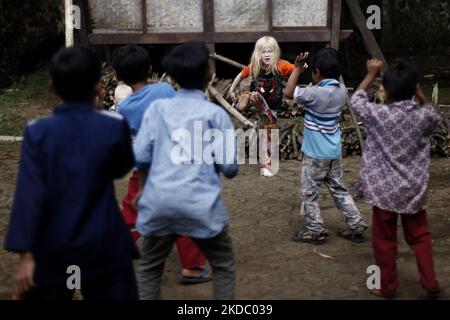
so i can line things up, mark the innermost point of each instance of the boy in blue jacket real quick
(65, 222)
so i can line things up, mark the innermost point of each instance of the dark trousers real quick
(218, 250)
(418, 237)
(121, 286)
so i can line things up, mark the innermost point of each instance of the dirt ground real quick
(264, 212)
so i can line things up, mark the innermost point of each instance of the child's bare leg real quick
(244, 101)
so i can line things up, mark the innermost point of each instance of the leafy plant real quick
(435, 95)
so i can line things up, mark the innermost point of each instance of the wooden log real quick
(360, 20)
(224, 103)
(227, 60)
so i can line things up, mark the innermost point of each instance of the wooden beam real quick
(360, 21)
(68, 20)
(208, 26)
(214, 37)
(212, 62)
(86, 27)
(269, 6)
(227, 60)
(144, 16)
(336, 24)
(208, 16)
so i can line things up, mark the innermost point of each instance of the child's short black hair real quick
(327, 62)
(75, 72)
(400, 82)
(188, 65)
(132, 64)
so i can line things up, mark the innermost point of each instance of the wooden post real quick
(360, 21)
(269, 6)
(86, 27)
(208, 27)
(336, 24)
(144, 16)
(68, 23)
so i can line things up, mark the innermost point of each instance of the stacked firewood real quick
(350, 141)
(440, 140)
(109, 84)
(291, 139)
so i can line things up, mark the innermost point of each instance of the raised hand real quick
(375, 66)
(300, 60)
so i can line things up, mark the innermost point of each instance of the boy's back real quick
(135, 105)
(396, 159)
(175, 128)
(65, 210)
(324, 104)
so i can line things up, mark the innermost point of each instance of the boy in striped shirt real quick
(322, 147)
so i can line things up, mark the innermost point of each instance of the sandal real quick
(352, 235)
(308, 237)
(379, 294)
(203, 277)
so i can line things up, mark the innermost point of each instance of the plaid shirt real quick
(394, 170)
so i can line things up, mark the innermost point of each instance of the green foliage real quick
(17, 18)
(24, 90)
(421, 22)
(435, 95)
(16, 100)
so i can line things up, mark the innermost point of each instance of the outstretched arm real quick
(300, 66)
(233, 87)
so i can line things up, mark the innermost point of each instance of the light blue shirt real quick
(323, 104)
(134, 106)
(182, 191)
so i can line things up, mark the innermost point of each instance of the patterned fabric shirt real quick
(394, 171)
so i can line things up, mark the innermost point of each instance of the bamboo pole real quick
(227, 60)
(68, 23)
(353, 117)
(224, 103)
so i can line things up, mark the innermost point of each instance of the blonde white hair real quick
(257, 61)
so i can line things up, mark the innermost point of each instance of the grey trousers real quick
(314, 173)
(218, 251)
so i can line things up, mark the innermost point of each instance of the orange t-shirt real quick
(284, 67)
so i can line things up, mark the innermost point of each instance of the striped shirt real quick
(323, 104)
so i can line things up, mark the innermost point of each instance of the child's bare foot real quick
(378, 293)
(266, 172)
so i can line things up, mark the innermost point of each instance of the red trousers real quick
(190, 256)
(384, 233)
